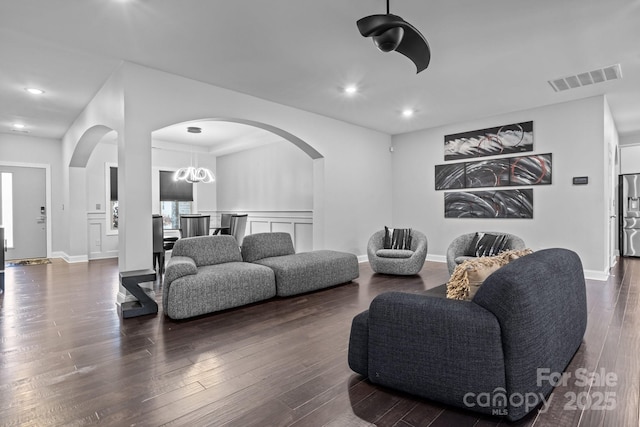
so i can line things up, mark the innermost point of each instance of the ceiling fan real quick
(390, 32)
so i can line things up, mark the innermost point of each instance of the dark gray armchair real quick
(529, 315)
(459, 249)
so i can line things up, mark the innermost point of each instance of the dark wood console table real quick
(131, 280)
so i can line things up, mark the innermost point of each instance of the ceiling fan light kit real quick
(392, 33)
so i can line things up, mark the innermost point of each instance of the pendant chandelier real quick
(194, 174)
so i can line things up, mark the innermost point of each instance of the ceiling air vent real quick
(588, 78)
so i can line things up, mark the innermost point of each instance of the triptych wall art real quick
(508, 139)
(526, 170)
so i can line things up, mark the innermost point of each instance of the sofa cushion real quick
(394, 253)
(265, 245)
(218, 287)
(397, 238)
(308, 271)
(470, 274)
(486, 244)
(208, 250)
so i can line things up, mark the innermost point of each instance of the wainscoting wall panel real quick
(100, 245)
(297, 223)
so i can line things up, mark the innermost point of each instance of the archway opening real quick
(261, 170)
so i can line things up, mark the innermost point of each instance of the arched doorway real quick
(219, 140)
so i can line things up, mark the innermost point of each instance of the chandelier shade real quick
(194, 175)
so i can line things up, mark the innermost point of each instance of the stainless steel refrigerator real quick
(629, 215)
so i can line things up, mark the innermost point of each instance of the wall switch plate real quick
(580, 180)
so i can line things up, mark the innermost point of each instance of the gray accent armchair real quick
(395, 261)
(459, 249)
(526, 321)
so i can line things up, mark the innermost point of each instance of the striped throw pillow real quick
(397, 238)
(485, 244)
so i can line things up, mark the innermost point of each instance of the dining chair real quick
(238, 227)
(194, 225)
(225, 224)
(158, 244)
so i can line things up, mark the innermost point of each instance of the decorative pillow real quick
(397, 238)
(468, 276)
(485, 244)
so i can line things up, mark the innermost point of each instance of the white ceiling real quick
(488, 57)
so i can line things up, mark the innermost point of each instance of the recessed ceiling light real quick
(408, 112)
(19, 127)
(34, 91)
(194, 129)
(351, 89)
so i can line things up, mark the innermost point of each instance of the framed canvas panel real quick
(489, 204)
(487, 173)
(450, 177)
(507, 139)
(530, 170)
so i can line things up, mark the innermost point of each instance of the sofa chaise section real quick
(206, 274)
(302, 272)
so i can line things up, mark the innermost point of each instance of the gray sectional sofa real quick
(298, 272)
(525, 323)
(208, 273)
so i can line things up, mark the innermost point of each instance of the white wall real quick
(273, 177)
(565, 215)
(96, 185)
(630, 153)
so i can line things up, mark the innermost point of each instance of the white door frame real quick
(47, 175)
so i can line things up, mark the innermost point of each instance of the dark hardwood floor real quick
(67, 358)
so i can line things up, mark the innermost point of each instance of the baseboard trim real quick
(436, 258)
(68, 258)
(105, 255)
(601, 276)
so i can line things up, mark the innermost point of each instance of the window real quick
(171, 211)
(176, 199)
(111, 179)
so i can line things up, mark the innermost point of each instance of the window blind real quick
(171, 190)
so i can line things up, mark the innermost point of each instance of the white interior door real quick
(24, 211)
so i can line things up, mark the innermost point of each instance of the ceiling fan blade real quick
(413, 45)
(375, 25)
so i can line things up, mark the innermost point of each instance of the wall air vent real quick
(600, 75)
